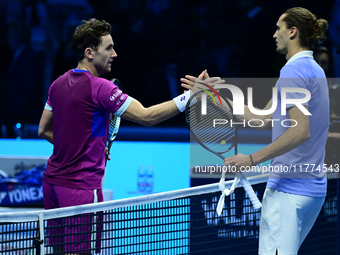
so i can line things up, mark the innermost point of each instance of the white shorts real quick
(286, 219)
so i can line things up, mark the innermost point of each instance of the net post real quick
(39, 240)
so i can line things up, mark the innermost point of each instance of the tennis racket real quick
(209, 120)
(114, 121)
(113, 129)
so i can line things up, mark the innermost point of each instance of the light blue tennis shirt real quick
(301, 171)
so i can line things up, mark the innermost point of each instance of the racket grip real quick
(250, 192)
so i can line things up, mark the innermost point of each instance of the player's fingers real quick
(192, 78)
(186, 86)
(190, 81)
(227, 162)
(214, 80)
(108, 154)
(231, 169)
(211, 82)
(219, 81)
(202, 75)
(206, 75)
(187, 81)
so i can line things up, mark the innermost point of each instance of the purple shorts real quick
(73, 234)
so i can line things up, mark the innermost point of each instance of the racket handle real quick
(250, 192)
(109, 145)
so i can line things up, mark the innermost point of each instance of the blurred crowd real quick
(157, 42)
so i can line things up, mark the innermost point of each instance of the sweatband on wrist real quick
(181, 100)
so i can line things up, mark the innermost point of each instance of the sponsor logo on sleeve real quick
(115, 95)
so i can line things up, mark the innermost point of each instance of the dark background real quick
(157, 42)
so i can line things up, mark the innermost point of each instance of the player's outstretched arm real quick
(150, 116)
(46, 126)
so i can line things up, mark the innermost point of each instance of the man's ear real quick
(89, 53)
(293, 32)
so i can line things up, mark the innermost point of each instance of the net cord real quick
(108, 205)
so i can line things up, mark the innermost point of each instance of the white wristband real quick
(181, 100)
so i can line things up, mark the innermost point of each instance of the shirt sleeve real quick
(292, 77)
(48, 105)
(113, 99)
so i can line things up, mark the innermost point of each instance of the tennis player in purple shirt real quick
(76, 118)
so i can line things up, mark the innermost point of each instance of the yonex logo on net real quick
(238, 100)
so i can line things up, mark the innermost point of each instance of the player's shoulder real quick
(99, 81)
(61, 78)
(292, 71)
(302, 68)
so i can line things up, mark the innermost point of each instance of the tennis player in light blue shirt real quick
(296, 189)
(305, 172)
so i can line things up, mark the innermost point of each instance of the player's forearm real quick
(48, 136)
(333, 136)
(150, 116)
(160, 112)
(291, 139)
(46, 126)
(46, 133)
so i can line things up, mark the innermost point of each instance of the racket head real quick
(116, 82)
(212, 130)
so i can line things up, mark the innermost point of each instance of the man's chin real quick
(107, 70)
(281, 51)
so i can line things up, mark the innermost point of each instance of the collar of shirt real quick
(79, 70)
(301, 54)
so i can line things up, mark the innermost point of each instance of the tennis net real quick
(177, 222)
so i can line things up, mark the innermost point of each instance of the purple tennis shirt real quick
(81, 104)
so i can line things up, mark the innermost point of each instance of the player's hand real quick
(204, 75)
(333, 137)
(107, 153)
(194, 83)
(238, 161)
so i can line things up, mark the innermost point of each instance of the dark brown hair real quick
(310, 28)
(88, 35)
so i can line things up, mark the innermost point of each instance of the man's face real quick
(281, 36)
(103, 57)
(323, 60)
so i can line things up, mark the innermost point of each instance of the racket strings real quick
(210, 119)
(219, 138)
(113, 126)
